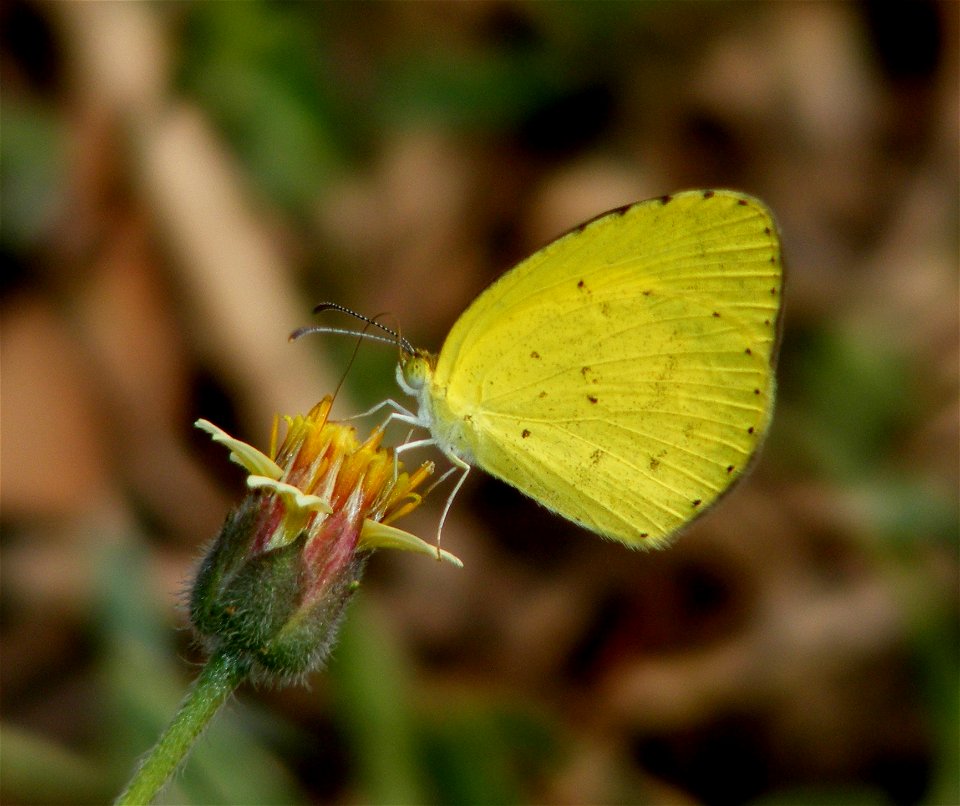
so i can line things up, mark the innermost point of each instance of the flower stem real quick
(221, 675)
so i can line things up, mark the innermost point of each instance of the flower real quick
(274, 584)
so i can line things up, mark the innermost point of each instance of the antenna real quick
(396, 339)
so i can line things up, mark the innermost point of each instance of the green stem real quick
(221, 675)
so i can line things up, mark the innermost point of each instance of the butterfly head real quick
(416, 375)
(415, 371)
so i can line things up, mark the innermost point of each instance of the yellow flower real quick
(274, 584)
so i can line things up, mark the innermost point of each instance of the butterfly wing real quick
(623, 376)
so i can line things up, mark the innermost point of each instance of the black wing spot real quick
(750, 430)
(696, 502)
(592, 398)
(708, 194)
(742, 202)
(666, 199)
(534, 354)
(525, 433)
(646, 293)
(542, 395)
(716, 315)
(748, 351)
(581, 284)
(756, 391)
(729, 468)
(644, 534)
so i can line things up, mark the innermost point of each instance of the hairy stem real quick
(221, 675)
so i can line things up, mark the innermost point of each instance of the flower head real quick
(274, 585)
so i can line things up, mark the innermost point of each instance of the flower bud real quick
(273, 587)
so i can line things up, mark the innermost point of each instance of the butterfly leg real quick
(399, 412)
(417, 443)
(406, 446)
(459, 463)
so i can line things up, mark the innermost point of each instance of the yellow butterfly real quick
(623, 375)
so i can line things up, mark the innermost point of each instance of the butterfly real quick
(623, 376)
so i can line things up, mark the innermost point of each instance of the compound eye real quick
(416, 371)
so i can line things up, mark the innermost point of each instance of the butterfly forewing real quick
(623, 375)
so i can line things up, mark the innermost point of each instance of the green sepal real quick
(240, 597)
(224, 558)
(306, 639)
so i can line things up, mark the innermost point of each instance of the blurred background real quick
(182, 183)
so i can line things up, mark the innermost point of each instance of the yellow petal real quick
(294, 499)
(248, 457)
(374, 535)
(298, 506)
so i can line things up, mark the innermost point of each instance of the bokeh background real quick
(181, 183)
